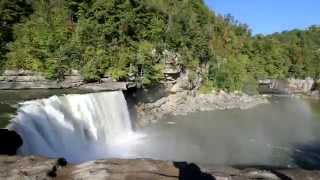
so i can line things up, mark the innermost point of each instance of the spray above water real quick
(76, 127)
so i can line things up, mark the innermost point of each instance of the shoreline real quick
(185, 102)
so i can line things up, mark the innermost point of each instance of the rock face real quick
(184, 82)
(186, 102)
(37, 168)
(10, 141)
(301, 85)
(289, 86)
(172, 68)
(22, 79)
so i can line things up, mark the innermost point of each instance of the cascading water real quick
(76, 127)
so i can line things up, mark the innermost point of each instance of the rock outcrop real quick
(185, 102)
(23, 79)
(289, 86)
(300, 85)
(38, 168)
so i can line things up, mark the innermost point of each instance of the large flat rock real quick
(5, 85)
(106, 86)
(36, 168)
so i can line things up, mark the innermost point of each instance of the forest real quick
(125, 38)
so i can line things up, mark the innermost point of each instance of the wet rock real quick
(10, 141)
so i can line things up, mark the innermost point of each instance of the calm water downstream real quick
(283, 133)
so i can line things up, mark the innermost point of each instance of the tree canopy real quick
(125, 38)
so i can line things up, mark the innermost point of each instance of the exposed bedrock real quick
(184, 102)
(36, 168)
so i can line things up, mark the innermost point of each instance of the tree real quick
(11, 12)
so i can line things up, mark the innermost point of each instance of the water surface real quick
(284, 133)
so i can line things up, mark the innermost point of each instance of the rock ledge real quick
(38, 168)
(182, 103)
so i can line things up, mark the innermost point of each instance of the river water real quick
(284, 133)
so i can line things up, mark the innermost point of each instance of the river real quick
(284, 133)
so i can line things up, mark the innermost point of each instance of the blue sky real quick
(268, 16)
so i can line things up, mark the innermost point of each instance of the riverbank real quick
(185, 102)
(32, 168)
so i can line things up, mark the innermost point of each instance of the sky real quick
(269, 16)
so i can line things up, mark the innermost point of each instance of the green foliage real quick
(40, 41)
(122, 39)
(11, 12)
(207, 87)
(229, 74)
(290, 54)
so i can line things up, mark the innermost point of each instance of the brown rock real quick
(38, 168)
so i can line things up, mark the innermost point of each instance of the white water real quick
(76, 127)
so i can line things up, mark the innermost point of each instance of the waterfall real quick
(76, 127)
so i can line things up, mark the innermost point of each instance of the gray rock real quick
(22, 78)
(29, 85)
(184, 102)
(38, 168)
(20, 72)
(106, 86)
(301, 85)
(289, 86)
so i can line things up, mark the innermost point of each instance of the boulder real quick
(10, 141)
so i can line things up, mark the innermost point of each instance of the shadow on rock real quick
(307, 156)
(10, 141)
(191, 172)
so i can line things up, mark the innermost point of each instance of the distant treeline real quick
(122, 38)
